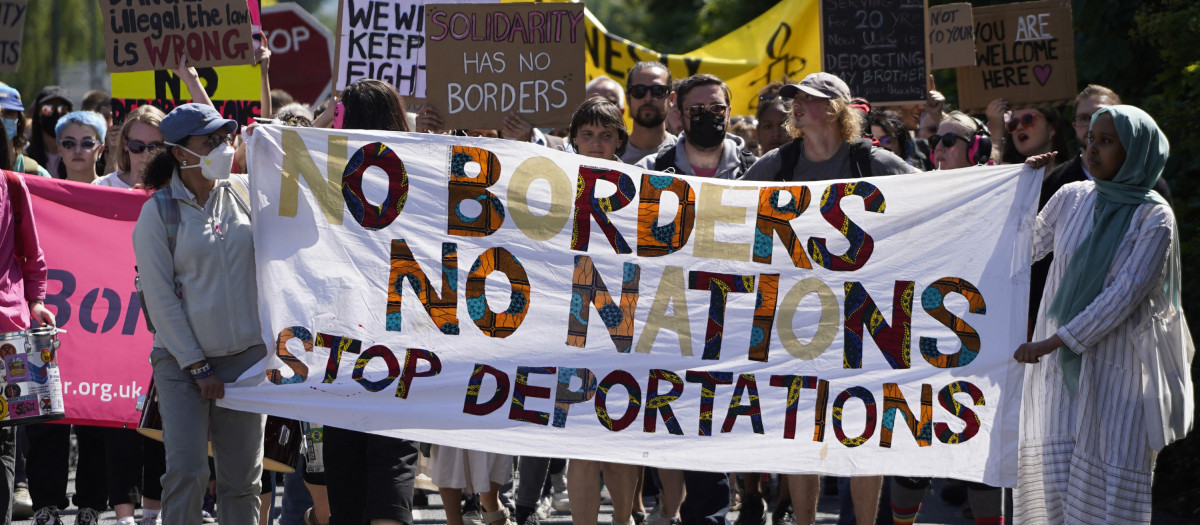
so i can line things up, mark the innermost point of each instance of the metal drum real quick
(281, 437)
(32, 385)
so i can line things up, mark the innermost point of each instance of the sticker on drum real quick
(47, 356)
(7, 349)
(3, 408)
(46, 406)
(24, 406)
(11, 391)
(17, 367)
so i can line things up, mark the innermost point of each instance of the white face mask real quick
(217, 165)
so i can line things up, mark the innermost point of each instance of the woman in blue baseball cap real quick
(195, 259)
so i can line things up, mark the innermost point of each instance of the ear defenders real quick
(980, 151)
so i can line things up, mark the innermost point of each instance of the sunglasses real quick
(215, 140)
(887, 140)
(85, 144)
(61, 109)
(699, 109)
(640, 90)
(948, 140)
(138, 147)
(1025, 121)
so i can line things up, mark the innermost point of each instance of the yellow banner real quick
(783, 41)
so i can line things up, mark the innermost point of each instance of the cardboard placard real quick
(384, 40)
(12, 27)
(145, 37)
(951, 36)
(486, 60)
(234, 90)
(877, 47)
(1026, 55)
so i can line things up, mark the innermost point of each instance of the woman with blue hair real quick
(1115, 388)
(80, 136)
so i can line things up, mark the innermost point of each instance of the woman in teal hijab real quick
(1118, 389)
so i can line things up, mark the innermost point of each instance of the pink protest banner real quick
(85, 232)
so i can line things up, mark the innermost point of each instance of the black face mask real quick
(708, 130)
(49, 121)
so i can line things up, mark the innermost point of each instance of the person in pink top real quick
(22, 291)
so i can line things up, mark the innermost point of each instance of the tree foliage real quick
(57, 32)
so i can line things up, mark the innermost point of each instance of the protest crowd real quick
(1106, 265)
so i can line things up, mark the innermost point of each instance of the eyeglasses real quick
(85, 144)
(1083, 119)
(61, 109)
(948, 140)
(137, 147)
(699, 109)
(1025, 121)
(640, 90)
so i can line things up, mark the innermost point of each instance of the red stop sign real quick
(301, 52)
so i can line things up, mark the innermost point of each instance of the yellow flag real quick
(784, 41)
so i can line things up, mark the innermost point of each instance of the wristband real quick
(203, 371)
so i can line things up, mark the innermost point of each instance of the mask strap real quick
(185, 165)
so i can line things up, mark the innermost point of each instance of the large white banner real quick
(505, 297)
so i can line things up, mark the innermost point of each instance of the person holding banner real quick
(960, 142)
(1115, 387)
(370, 478)
(826, 145)
(195, 258)
(598, 131)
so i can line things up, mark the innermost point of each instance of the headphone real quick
(980, 151)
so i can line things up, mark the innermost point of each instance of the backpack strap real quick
(168, 209)
(746, 159)
(789, 155)
(860, 158)
(665, 160)
(17, 197)
(240, 193)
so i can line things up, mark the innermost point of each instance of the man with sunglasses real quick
(647, 92)
(704, 148)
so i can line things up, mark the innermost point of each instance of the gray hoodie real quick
(215, 311)
(729, 167)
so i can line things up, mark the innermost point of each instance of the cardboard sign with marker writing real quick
(12, 25)
(951, 36)
(877, 47)
(157, 36)
(487, 60)
(1026, 55)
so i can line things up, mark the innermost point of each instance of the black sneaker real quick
(526, 515)
(754, 511)
(783, 515)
